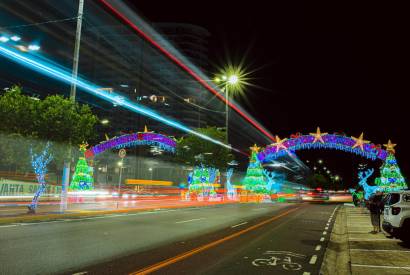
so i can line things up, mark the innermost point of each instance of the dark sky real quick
(341, 67)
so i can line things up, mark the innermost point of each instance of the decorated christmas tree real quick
(390, 175)
(254, 180)
(202, 181)
(83, 174)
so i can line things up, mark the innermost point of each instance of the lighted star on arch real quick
(318, 136)
(360, 142)
(279, 143)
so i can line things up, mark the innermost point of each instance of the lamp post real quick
(227, 82)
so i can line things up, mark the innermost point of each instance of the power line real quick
(39, 23)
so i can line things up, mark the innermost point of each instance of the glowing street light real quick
(33, 47)
(4, 39)
(15, 38)
(337, 178)
(105, 121)
(231, 80)
(320, 161)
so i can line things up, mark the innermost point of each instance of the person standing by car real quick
(376, 208)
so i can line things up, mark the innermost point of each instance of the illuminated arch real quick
(319, 140)
(137, 139)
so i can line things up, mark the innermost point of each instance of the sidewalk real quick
(354, 250)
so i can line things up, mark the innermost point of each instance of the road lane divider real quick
(199, 249)
(239, 224)
(192, 220)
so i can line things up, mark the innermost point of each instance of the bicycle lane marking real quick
(286, 260)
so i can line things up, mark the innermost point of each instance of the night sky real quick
(341, 67)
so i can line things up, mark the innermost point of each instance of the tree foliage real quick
(194, 150)
(53, 119)
(27, 122)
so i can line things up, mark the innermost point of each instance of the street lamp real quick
(105, 121)
(230, 81)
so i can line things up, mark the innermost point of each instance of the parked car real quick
(397, 215)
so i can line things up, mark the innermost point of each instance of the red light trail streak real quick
(186, 68)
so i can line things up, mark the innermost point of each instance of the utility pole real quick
(227, 112)
(67, 163)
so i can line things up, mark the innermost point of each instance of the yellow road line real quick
(194, 251)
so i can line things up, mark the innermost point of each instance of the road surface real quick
(290, 236)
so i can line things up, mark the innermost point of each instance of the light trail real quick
(187, 69)
(47, 68)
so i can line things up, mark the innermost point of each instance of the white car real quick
(397, 215)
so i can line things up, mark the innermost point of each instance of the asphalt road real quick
(120, 244)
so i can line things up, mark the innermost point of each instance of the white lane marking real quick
(313, 259)
(324, 232)
(239, 224)
(322, 239)
(9, 225)
(327, 227)
(258, 209)
(192, 220)
(90, 218)
(373, 240)
(318, 247)
(379, 250)
(382, 266)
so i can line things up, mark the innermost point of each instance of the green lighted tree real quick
(83, 174)
(390, 175)
(254, 180)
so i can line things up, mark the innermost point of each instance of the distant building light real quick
(33, 47)
(4, 39)
(15, 38)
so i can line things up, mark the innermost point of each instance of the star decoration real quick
(390, 147)
(318, 136)
(279, 144)
(360, 141)
(83, 146)
(255, 148)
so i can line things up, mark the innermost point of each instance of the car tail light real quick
(395, 210)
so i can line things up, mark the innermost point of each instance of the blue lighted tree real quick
(39, 164)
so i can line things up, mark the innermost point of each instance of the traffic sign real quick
(122, 153)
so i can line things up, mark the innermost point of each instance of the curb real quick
(337, 256)
(49, 217)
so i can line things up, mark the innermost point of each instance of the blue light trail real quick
(47, 68)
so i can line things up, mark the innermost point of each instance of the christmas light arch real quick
(130, 140)
(319, 140)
